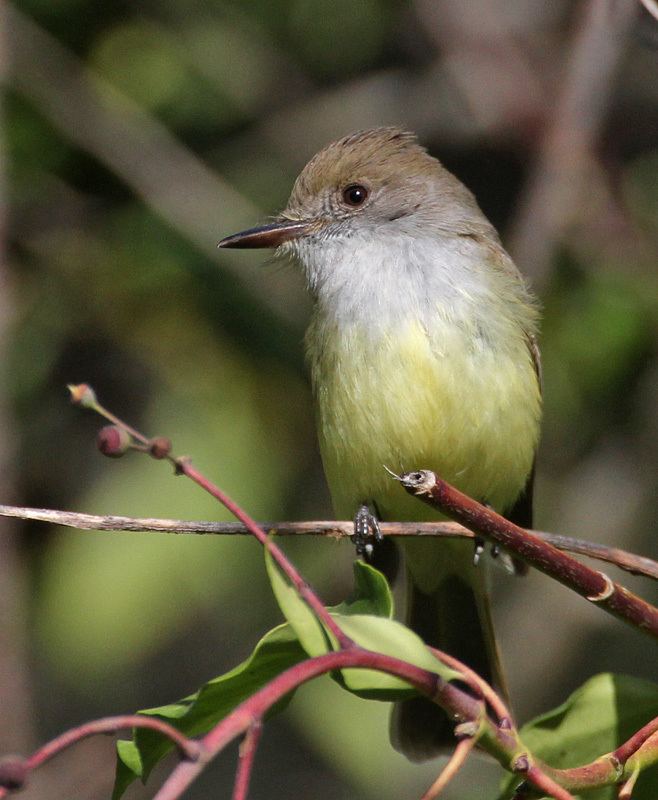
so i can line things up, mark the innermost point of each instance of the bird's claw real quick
(478, 550)
(366, 532)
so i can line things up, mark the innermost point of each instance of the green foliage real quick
(275, 652)
(195, 715)
(598, 717)
(367, 619)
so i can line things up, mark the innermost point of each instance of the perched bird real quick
(422, 350)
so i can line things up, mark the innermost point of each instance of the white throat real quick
(377, 280)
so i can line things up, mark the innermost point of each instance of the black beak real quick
(271, 235)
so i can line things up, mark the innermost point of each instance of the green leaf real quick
(371, 595)
(392, 638)
(596, 718)
(366, 618)
(129, 766)
(195, 715)
(302, 620)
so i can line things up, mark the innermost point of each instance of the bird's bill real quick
(271, 235)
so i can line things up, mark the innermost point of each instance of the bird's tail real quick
(453, 615)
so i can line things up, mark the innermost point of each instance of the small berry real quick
(13, 773)
(113, 441)
(160, 447)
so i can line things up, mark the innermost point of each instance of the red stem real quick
(246, 760)
(306, 593)
(630, 746)
(477, 683)
(189, 748)
(547, 785)
(253, 709)
(591, 584)
(456, 762)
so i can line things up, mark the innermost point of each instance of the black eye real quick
(355, 195)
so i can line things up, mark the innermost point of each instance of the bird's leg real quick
(366, 532)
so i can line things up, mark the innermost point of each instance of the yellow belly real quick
(411, 400)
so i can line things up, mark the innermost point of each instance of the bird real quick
(423, 353)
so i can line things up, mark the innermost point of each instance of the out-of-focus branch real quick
(566, 159)
(118, 132)
(494, 75)
(651, 6)
(638, 565)
(15, 699)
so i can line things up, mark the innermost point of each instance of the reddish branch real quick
(246, 757)
(455, 763)
(14, 770)
(591, 584)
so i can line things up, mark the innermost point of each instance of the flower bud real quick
(113, 441)
(13, 773)
(160, 447)
(82, 395)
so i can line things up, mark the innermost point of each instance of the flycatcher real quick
(423, 354)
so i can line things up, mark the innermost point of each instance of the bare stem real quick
(479, 685)
(591, 584)
(189, 748)
(456, 762)
(246, 760)
(184, 466)
(638, 565)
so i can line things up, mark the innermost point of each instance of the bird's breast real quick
(422, 393)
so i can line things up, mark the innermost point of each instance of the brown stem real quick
(638, 565)
(594, 586)
(630, 746)
(546, 784)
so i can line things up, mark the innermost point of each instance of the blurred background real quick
(133, 137)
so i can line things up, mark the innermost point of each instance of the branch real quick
(635, 564)
(14, 771)
(500, 738)
(135, 146)
(246, 757)
(502, 743)
(565, 160)
(594, 586)
(455, 763)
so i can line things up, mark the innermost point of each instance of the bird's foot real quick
(366, 532)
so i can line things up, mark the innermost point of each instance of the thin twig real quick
(305, 592)
(248, 748)
(638, 565)
(190, 749)
(83, 395)
(632, 745)
(456, 762)
(547, 785)
(255, 707)
(479, 685)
